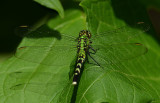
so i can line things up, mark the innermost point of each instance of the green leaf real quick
(52, 4)
(47, 80)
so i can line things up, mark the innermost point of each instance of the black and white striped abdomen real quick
(80, 62)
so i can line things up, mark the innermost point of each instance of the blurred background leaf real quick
(53, 4)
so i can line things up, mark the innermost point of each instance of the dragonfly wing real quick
(40, 88)
(121, 34)
(44, 32)
(55, 56)
(43, 83)
(116, 53)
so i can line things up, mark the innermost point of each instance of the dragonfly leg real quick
(94, 50)
(94, 59)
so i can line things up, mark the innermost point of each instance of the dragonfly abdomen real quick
(80, 62)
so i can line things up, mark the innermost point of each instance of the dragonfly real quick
(101, 50)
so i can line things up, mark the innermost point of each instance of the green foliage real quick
(47, 80)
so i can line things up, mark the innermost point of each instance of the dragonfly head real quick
(85, 33)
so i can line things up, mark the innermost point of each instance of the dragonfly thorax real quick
(85, 33)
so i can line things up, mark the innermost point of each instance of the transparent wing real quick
(105, 54)
(116, 53)
(114, 35)
(65, 54)
(40, 88)
(121, 34)
(43, 83)
(44, 32)
(55, 56)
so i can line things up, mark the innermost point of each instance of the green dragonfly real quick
(102, 49)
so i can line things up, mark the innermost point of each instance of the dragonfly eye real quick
(81, 33)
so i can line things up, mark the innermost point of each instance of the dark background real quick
(15, 13)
